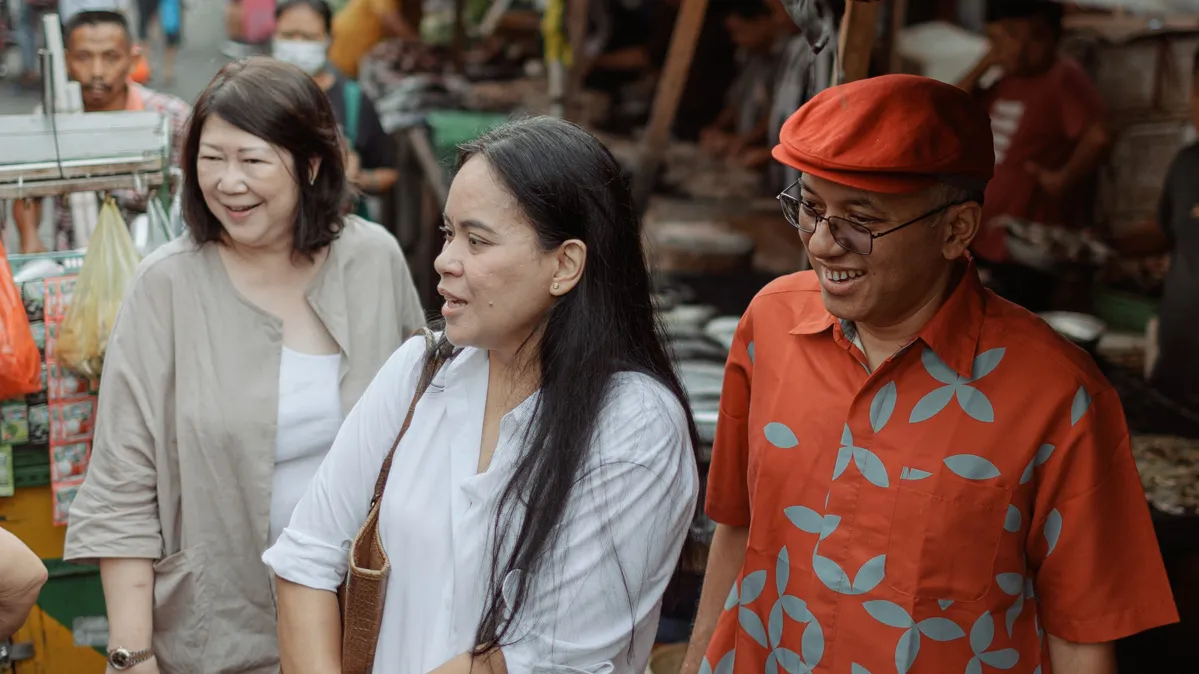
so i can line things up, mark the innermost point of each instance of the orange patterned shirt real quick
(937, 515)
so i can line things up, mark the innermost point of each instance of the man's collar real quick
(952, 333)
(133, 97)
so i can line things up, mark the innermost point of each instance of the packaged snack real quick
(64, 496)
(72, 421)
(68, 461)
(14, 422)
(8, 481)
(39, 424)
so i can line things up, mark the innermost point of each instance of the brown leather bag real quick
(361, 594)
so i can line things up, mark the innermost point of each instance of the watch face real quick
(119, 658)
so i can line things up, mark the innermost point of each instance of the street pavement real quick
(199, 59)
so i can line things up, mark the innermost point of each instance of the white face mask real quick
(307, 56)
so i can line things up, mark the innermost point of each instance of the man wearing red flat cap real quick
(911, 474)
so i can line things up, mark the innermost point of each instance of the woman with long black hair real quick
(536, 506)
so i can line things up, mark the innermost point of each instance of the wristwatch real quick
(121, 659)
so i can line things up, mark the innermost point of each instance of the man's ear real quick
(961, 225)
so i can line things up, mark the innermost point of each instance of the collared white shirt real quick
(594, 606)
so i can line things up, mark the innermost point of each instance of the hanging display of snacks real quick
(57, 420)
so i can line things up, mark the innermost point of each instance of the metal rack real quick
(59, 150)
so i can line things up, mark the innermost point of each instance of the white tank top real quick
(309, 416)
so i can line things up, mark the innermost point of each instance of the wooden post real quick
(899, 18)
(859, 27)
(459, 47)
(577, 12)
(683, 39)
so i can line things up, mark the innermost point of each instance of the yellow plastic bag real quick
(108, 269)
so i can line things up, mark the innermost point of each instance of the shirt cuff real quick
(304, 560)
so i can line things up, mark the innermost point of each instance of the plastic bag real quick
(108, 268)
(151, 229)
(20, 361)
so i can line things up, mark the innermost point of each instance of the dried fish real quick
(1169, 468)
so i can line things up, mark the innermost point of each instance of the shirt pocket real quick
(944, 539)
(180, 612)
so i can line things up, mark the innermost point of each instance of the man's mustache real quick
(98, 85)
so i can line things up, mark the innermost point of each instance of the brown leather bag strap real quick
(432, 364)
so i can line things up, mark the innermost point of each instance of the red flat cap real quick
(893, 134)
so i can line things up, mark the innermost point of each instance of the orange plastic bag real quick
(20, 362)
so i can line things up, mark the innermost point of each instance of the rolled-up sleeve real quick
(728, 498)
(115, 513)
(620, 541)
(312, 550)
(1099, 573)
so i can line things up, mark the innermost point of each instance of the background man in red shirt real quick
(1050, 134)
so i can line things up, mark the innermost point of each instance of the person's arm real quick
(1083, 162)
(309, 629)
(376, 151)
(129, 600)
(490, 663)
(114, 518)
(715, 138)
(971, 82)
(1070, 658)
(746, 148)
(1083, 120)
(726, 555)
(22, 576)
(1092, 555)
(728, 500)
(310, 558)
(1144, 238)
(27, 214)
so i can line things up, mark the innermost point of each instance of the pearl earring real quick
(555, 286)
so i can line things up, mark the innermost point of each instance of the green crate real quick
(1124, 311)
(451, 128)
(71, 260)
(31, 465)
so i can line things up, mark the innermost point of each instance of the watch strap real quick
(131, 658)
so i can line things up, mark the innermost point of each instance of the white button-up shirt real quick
(595, 603)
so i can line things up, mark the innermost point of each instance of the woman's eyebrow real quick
(478, 226)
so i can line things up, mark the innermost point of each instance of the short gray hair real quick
(943, 194)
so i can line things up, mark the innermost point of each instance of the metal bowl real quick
(1084, 330)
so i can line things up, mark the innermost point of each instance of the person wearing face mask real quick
(238, 352)
(302, 34)
(99, 56)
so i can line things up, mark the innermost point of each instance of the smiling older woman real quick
(535, 508)
(235, 358)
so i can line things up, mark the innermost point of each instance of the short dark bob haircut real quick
(278, 103)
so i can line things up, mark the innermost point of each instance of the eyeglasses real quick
(851, 236)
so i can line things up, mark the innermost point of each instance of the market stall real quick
(46, 430)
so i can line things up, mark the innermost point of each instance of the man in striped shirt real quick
(99, 53)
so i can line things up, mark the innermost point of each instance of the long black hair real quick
(568, 186)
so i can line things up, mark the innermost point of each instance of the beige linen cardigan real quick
(184, 448)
